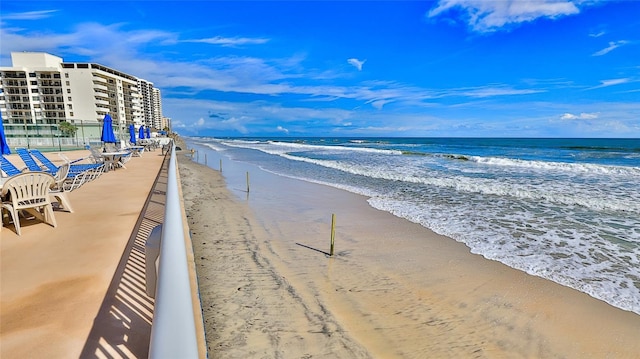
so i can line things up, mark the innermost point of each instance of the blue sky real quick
(518, 68)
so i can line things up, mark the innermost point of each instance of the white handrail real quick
(173, 331)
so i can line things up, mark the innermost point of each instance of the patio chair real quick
(110, 147)
(28, 192)
(58, 191)
(96, 156)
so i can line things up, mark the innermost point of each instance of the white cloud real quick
(488, 16)
(611, 82)
(491, 91)
(231, 41)
(612, 46)
(282, 129)
(357, 63)
(379, 103)
(582, 116)
(29, 15)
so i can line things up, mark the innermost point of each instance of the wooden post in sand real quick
(333, 233)
(247, 182)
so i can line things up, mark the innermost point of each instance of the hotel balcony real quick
(104, 106)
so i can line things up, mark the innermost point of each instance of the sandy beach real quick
(393, 289)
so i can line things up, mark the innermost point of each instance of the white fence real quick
(174, 331)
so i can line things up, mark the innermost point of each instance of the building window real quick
(68, 90)
(67, 83)
(71, 114)
(32, 74)
(70, 106)
(34, 90)
(35, 83)
(66, 75)
(69, 98)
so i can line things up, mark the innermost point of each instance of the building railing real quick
(173, 331)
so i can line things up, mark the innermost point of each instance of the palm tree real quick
(68, 129)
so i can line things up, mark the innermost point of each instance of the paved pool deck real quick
(78, 290)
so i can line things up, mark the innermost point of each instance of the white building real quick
(39, 91)
(157, 109)
(151, 104)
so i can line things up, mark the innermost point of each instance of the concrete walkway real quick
(78, 290)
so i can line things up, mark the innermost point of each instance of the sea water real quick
(563, 209)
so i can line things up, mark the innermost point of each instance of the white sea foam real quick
(278, 148)
(558, 166)
(574, 223)
(551, 192)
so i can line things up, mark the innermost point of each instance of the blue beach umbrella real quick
(132, 133)
(141, 133)
(107, 130)
(148, 132)
(4, 147)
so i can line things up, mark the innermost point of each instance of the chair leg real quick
(49, 217)
(15, 217)
(16, 221)
(63, 200)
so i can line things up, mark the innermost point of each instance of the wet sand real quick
(393, 289)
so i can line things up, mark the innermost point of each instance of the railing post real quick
(151, 254)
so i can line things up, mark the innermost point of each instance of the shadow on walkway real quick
(122, 328)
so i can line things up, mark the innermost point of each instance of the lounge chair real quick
(28, 192)
(8, 168)
(31, 163)
(78, 173)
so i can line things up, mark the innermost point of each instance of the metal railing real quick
(173, 331)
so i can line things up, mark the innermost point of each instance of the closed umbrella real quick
(148, 132)
(107, 130)
(4, 147)
(141, 133)
(132, 133)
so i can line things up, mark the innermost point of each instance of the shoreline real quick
(394, 289)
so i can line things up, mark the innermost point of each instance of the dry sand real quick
(393, 290)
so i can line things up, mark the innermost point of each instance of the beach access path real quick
(78, 290)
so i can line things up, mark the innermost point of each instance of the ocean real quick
(567, 210)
